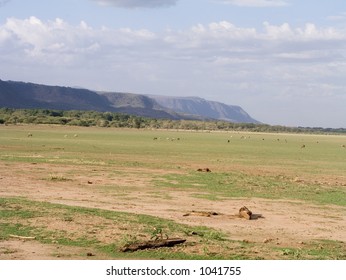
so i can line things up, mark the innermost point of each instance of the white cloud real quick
(225, 40)
(137, 3)
(256, 3)
(309, 32)
(58, 41)
(218, 41)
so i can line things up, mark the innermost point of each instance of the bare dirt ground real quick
(288, 223)
(33, 250)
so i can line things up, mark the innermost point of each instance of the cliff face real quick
(208, 109)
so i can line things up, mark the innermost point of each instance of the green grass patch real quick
(136, 148)
(236, 184)
(141, 227)
(316, 250)
(15, 229)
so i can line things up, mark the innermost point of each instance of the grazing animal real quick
(343, 146)
(302, 147)
(203, 170)
(29, 135)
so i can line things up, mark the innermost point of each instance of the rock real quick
(267, 240)
(245, 213)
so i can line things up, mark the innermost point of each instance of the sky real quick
(282, 61)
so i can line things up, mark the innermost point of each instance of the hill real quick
(20, 95)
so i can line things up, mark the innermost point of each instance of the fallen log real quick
(22, 237)
(201, 213)
(152, 244)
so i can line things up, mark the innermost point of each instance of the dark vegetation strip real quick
(108, 119)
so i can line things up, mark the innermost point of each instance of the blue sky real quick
(283, 61)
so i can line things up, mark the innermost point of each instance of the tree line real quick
(111, 119)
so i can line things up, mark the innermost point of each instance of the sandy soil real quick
(33, 250)
(284, 222)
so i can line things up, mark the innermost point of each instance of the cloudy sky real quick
(283, 61)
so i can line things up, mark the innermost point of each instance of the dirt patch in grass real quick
(283, 223)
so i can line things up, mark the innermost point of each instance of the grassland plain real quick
(85, 192)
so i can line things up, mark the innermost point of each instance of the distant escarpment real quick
(208, 109)
(20, 95)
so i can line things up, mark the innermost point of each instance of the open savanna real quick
(86, 192)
